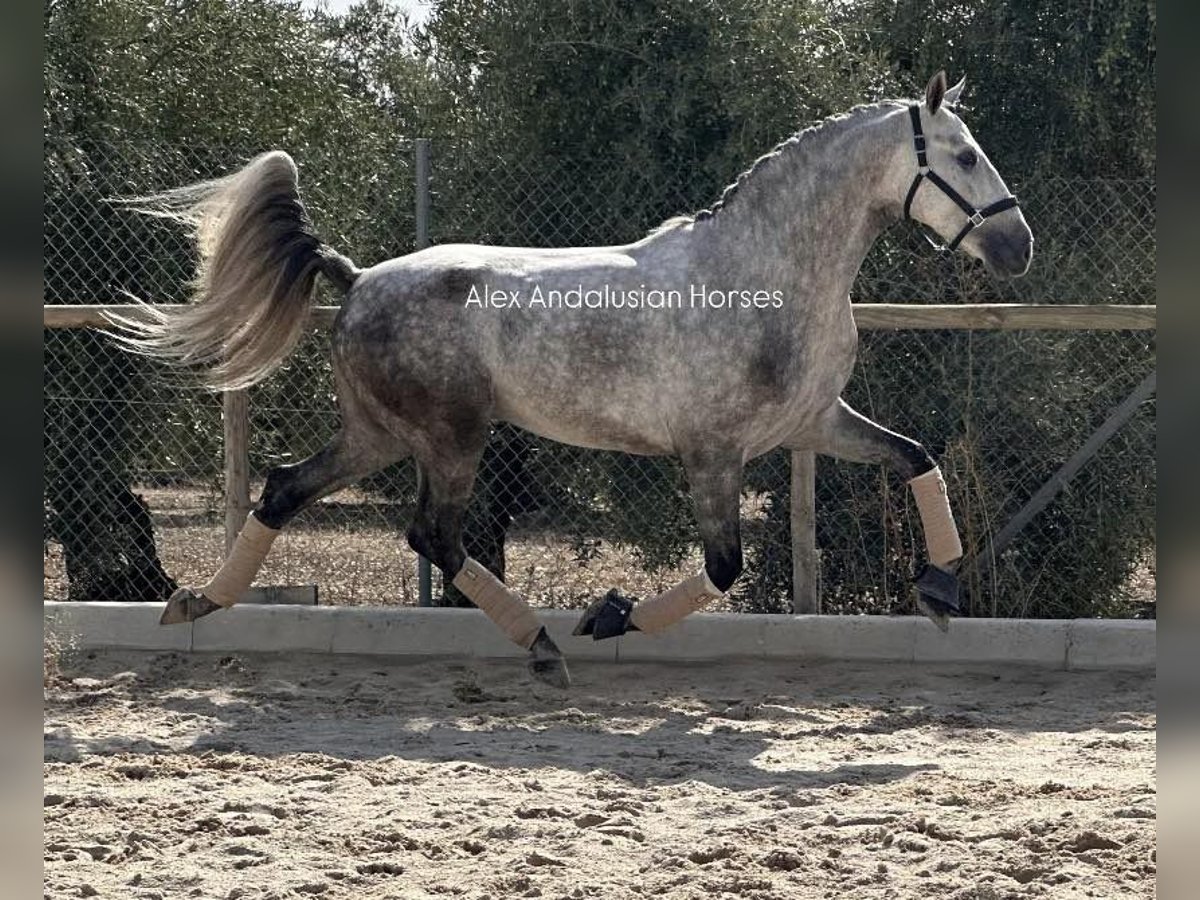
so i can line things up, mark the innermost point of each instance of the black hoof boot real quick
(546, 662)
(606, 617)
(937, 595)
(186, 605)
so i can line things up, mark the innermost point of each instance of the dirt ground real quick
(253, 776)
(173, 775)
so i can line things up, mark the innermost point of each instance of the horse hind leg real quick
(437, 534)
(289, 490)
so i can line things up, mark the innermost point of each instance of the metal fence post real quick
(235, 416)
(421, 209)
(805, 595)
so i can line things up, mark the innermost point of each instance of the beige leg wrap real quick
(244, 560)
(502, 606)
(941, 534)
(671, 605)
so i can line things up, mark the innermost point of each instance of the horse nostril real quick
(1027, 255)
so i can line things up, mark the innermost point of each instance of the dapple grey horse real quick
(715, 338)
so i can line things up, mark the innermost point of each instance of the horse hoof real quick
(936, 615)
(546, 662)
(186, 605)
(937, 595)
(606, 617)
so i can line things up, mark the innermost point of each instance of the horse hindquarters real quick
(412, 359)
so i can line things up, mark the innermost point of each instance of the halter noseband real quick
(975, 217)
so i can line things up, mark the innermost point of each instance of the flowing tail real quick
(259, 259)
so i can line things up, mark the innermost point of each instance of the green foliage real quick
(1059, 86)
(206, 72)
(685, 94)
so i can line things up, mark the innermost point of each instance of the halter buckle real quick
(976, 219)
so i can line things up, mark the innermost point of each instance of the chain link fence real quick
(134, 498)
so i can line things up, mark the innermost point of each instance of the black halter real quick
(975, 217)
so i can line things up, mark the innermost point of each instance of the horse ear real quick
(935, 91)
(953, 95)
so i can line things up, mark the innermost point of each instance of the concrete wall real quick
(1071, 644)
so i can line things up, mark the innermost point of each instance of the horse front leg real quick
(715, 480)
(846, 434)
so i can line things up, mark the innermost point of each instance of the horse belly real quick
(590, 416)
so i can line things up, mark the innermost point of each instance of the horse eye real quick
(967, 158)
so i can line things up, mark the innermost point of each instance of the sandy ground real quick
(266, 777)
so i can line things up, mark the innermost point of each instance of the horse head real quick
(956, 191)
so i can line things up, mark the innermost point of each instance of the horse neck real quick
(805, 222)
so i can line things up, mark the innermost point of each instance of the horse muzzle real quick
(1007, 253)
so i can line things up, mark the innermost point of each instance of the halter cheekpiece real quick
(975, 217)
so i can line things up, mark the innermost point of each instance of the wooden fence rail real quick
(873, 316)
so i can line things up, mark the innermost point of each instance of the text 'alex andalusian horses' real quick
(715, 338)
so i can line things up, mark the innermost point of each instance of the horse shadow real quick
(770, 730)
